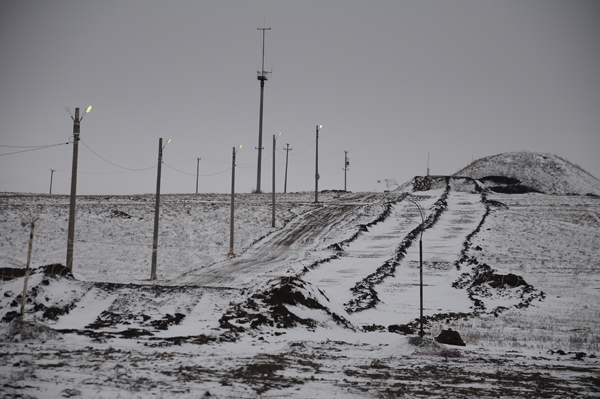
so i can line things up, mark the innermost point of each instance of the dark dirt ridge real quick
(284, 291)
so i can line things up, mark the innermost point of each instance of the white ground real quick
(552, 242)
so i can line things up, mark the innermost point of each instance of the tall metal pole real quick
(51, 176)
(260, 147)
(71, 232)
(197, 171)
(262, 77)
(273, 194)
(156, 213)
(287, 152)
(317, 168)
(232, 204)
(421, 333)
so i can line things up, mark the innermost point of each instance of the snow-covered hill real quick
(316, 307)
(531, 171)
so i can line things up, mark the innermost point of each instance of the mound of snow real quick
(544, 173)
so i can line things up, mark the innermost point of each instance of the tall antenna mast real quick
(262, 77)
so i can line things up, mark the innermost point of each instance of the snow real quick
(190, 333)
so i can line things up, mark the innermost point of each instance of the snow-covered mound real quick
(530, 171)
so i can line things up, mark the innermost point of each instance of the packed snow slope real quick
(531, 171)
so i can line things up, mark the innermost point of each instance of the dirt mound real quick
(19, 331)
(533, 172)
(427, 183)
(283, 303)
(486, 288)
(506, 185)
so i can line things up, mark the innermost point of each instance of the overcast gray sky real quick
(391, 82)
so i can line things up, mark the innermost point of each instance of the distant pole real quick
(427, 164)
(231, 229)
(51, 176)
(262, 77)
(156, 211)
(197, 171)
(287, 151)
(346, 164)
(317, 166)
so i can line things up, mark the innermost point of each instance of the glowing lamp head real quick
(88, 109)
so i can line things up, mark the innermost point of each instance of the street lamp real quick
(156, 210)
(232, 201)
(274, 143)
(71, 232)
(317, 166)
(421, 333)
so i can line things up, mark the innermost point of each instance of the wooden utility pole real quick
(71, 232)
(51, 176)
(287, 151)
(231, 218)
(157, 211)
(273, 194)
(197, 171)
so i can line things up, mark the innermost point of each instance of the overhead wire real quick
(194, 174)
(113, 164)
(32, 148)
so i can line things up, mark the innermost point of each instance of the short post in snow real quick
(23, 297)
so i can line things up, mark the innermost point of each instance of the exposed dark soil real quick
(285, 291)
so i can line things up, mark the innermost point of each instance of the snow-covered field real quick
(305, 309)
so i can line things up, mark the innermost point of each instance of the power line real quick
(113, 164)
(30, 148)
(193, 174)
(35, 174)
(306, 149)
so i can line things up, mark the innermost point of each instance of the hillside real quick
(324, 305)
(532, 172)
